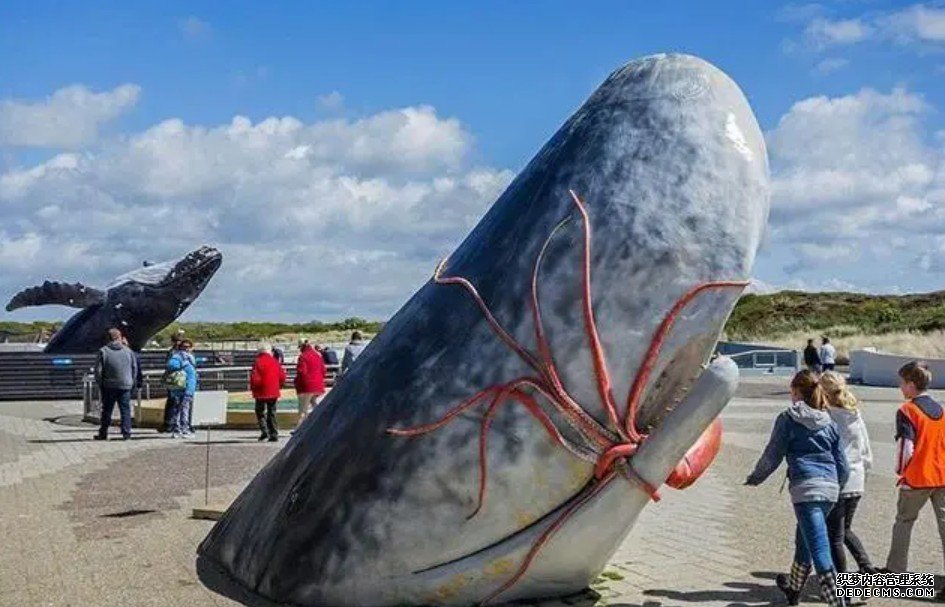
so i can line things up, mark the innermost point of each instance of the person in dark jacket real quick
(808, 438)
(266, 381)
(139, 375)
(812, 357)
(309, 379)
(115, 371)
(329, 356)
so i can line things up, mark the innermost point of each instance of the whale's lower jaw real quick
(567, 564)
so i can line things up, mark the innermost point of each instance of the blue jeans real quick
(810, 539)
(111, 397)
(180, 415)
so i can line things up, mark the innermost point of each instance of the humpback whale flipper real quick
(75, 295)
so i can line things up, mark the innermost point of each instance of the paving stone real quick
(77, 527)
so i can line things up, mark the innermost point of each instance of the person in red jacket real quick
(309, 378)
(266, 381)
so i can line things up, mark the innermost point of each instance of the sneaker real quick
(99, 437)
(175, 435)
(189, 435)
(262, 437)
(273, 439)
(125, 437)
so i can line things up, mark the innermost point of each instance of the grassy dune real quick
(901, 324)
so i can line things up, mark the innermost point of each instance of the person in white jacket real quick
(845, 413)
(828, 354)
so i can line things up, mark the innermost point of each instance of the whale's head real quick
(151, 297)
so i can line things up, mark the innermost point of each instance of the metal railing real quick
(210, 378)
(766, 359)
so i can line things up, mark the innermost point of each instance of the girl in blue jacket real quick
(808, 438)
(183, 398)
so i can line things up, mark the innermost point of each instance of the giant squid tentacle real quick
(597, 351)
(589, 492)
(504, 335)
(565, 402)
(532, 406)
(656, 344)
(585, 424)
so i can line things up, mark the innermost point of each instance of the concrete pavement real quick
(92, 523)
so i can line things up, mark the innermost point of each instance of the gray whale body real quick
(572, 328)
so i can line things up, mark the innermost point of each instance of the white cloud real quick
(831, 65)
(856, 184)
(70, 117)
(915, 24)
(824, 33)
(321, 219)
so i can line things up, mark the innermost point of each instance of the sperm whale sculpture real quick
(500, 436)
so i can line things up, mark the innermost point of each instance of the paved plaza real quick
(108, 524)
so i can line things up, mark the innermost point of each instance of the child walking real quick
(844, 411)
(920, 462)
(805, 435)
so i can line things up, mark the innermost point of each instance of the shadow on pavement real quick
(53, 441)
(734, 594)
(75, 420)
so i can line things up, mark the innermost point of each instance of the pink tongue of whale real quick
(699, 457)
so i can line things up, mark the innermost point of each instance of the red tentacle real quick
(539, 543)
(656, 344)
(452, 413)
(533, 407)
(563, 400)
(510, 341)
(597, 351)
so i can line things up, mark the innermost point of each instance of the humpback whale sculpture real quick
(140, 303)
(499, 438)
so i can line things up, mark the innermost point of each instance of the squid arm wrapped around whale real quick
(588, 300)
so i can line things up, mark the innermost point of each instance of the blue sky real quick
(849, 93)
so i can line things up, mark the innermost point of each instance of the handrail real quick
(747, 352)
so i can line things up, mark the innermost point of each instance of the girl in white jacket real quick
(856, 444)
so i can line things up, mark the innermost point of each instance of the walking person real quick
(115, 373)
(352, 351)
(844, 410)
(812, 357)
(309, 379)
(920, 462)
(805, 435)
(266, 381)
(828, 354)
(182, 396)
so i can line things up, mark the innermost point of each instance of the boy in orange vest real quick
(920, 462)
